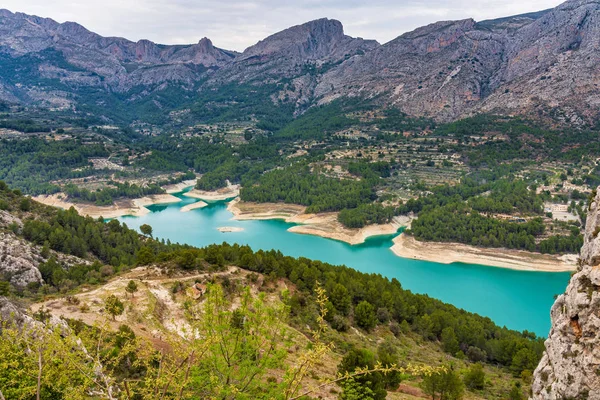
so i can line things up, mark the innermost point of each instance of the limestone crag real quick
(9, 311)
(19, 259)
(570, 367)
(103, 63)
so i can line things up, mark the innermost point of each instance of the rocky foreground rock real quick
(20, 260)
(570, 367)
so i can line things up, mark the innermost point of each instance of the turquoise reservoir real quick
(515, 299)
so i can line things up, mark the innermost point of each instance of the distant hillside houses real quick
(560, 212)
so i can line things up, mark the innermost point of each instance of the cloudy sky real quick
(237, 24)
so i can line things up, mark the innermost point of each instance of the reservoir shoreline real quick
(323, 224)
(447, 253)
(120, 208)
(521, 299)
(326, 225)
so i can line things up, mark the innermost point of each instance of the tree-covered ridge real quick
(508, 197)
(457, 223)
(497, 197)
(499, 139)
(242, 102)
(458, 215)
(300, 185)
(363, 300)
(367, 214)
(396, 120)
(320, 121)
(22, 125)
(31, 165)
(214, 158)
(69, 233)
(242, 348)
(107, 195)
(369, 169)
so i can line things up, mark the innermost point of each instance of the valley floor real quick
(447, 253)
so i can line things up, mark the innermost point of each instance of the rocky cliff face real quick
(570, 367)
(78, 58)
(74, 56)
(551, 63)
(301, 52)
(22, 33)
(439, 70)
(512, 65)
(322, 40)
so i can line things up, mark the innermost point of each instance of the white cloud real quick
(237, 24)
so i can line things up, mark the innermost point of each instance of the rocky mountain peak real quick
(205, 43)
(325, 29)
(439, 27)
(573, 4)
(529, 63)
(313, 40)
(293, 53)
(75, 31)
(146, 51)
(570, 367)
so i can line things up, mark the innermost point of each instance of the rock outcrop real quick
(321, 39)
(570, 367)
(440, 70)
(300, 53)
(22, 34)
(19, 259)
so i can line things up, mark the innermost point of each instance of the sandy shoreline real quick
(193, 206)
(134, 207)
(228, 192)
(446, 253)
(179, 187)
(327, 225)
(324, 224)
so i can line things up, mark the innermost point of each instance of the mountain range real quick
(539, 63)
